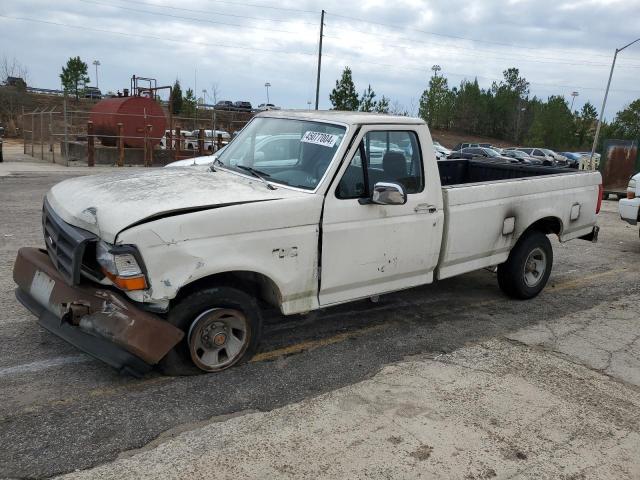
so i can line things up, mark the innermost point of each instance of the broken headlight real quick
(121, 265)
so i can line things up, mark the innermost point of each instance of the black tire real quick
(179, 361)
(512, 275)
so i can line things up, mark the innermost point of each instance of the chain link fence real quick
(67, 135)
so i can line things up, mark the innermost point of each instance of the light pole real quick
(309, 105)
(267, 85)
(574, 95)
(604, 101)
(97, 64)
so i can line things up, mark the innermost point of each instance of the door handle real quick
(425, 208)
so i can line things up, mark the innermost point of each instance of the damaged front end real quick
(96, 320)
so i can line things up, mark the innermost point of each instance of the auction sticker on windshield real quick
(318, 138)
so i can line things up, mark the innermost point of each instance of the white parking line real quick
(34, 367)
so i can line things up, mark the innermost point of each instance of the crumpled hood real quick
(106, 204)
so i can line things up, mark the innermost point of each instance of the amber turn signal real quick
(137, 282)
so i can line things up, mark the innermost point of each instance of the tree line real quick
(504, 111)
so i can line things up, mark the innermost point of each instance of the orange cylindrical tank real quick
(134, 113)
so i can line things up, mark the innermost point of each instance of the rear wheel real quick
(222, 327)
(527, 270)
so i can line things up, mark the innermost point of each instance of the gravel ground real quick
(61, 411)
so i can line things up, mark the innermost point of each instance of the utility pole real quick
(319, 59)
(604, 102)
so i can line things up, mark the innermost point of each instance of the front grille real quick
(65, 244)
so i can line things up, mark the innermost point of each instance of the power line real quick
(201, 20)
(470, 75)
(242, 4)
(209, 12)
(456, 37)
(475, 50)
(521, 58)
(154, 37)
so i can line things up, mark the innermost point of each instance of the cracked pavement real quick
(451, 380)
(543, 402)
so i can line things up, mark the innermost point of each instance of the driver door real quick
(369, 249)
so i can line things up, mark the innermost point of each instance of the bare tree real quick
(397, 108)
(413, 107)
(12, 68)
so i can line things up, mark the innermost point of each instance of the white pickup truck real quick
(171, 267)
(629, 207)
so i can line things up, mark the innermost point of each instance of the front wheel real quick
(527, 270)
(222, 327)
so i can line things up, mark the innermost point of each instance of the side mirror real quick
(387, 193)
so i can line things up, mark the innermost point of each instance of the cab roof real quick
(349, 118)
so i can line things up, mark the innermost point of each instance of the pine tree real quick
(74, 76)
(367, 102)
(176, 98)
(383, 105)
(344, 96)
(189, 103)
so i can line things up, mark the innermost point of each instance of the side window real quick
(389, 156)
(538, 153)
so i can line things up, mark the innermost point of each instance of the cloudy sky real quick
(235, 46)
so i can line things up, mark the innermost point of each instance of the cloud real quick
(559, 46)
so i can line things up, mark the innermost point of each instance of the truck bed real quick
(462, 171)
(488, 206)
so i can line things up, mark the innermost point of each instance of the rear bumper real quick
(99, 322)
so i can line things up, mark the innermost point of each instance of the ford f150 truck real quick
(172, 267)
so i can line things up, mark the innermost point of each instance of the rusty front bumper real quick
(98, 321)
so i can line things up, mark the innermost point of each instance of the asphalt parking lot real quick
(61, 411)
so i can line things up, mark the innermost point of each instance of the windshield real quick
(285, 151)
(491, 152)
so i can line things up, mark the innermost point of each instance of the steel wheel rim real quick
(218, 338)
(534, 267)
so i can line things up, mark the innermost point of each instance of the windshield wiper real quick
(257, 174)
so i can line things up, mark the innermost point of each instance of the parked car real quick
(573, 159)
(92, 93)
(521, 157)
(224, 105)
(539, 154)
(264, 107)
(460, 146)
(629, 207)
(560, 159)
(203, 161)
(441, 151)
(210, 139)
(242, 106)
(184, 135)
(488, 153)
(176, 265)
